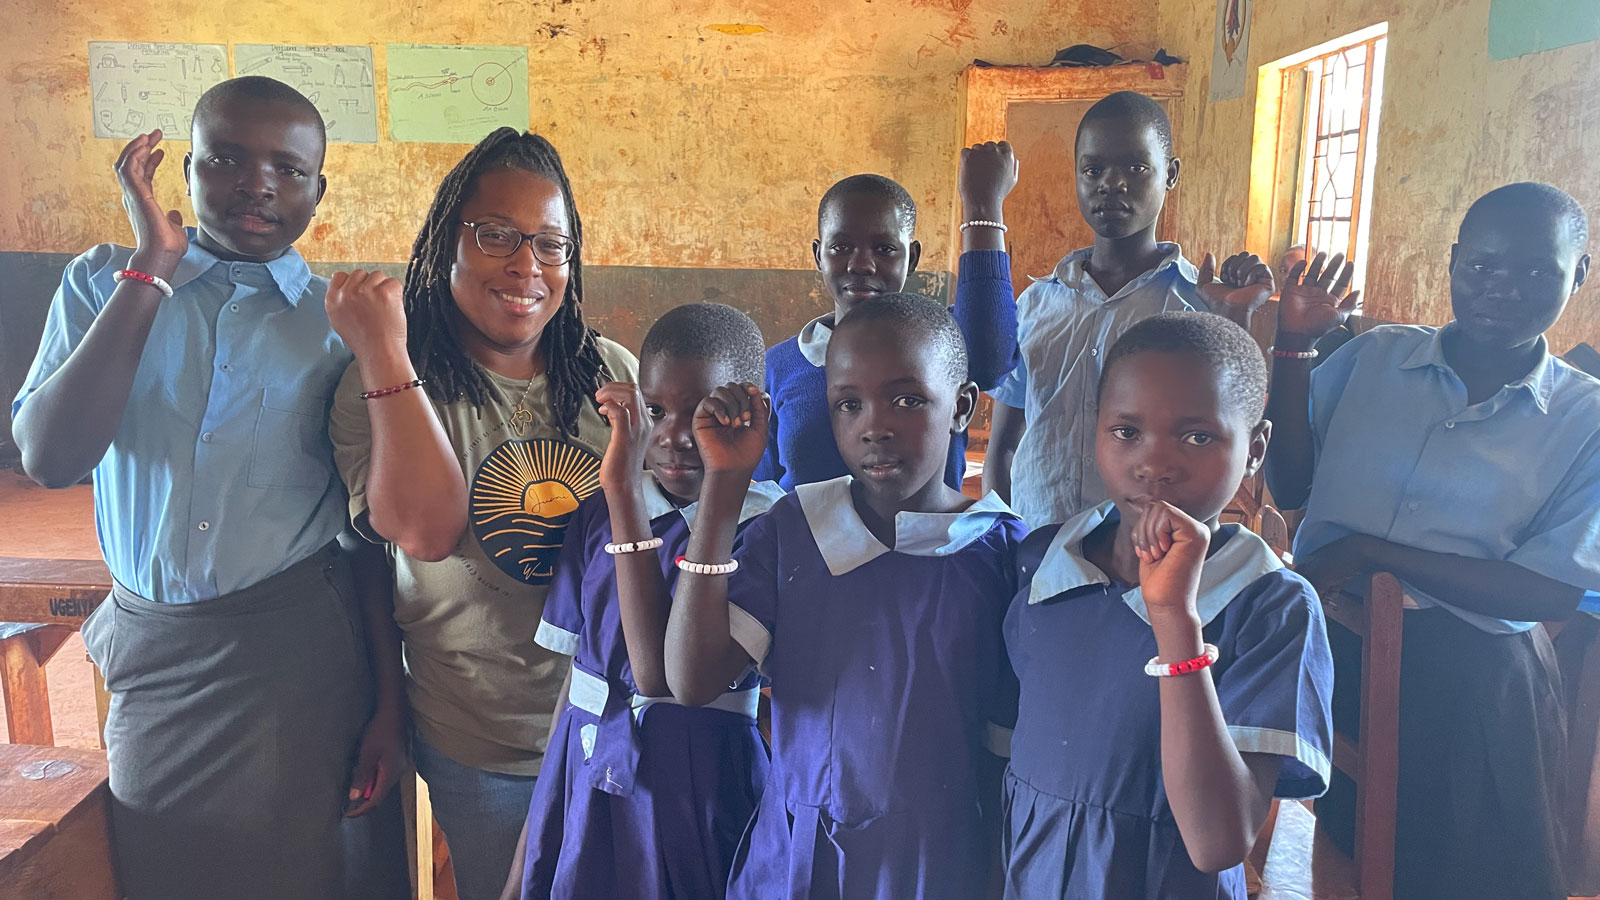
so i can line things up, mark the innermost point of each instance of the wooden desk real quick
(55, 843)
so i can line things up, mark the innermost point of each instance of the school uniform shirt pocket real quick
(292, 449)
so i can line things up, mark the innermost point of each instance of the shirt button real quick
(1094, 351)
(233, 307)
(225, 367)
(206, 437)
(1449, 424)
(1413, 506)
(204, 526)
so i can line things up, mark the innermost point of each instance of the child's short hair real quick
(711, 332)
(1233, 357)
(921, 319)
(1530, 197)
(1136, 106)
(255, 87)
(905, 208)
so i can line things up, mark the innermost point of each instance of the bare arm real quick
(1005, 433)
(416, 492)
(66, 426)
(702, 658)
(380, 759)
(1308, 308)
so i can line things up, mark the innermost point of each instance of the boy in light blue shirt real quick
(1465, 460)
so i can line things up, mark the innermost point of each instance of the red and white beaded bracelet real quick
(727, 568)
(154, 281)
(1159, 669)
(634, 546)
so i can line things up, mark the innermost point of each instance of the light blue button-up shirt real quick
(1400, 455)
(1065, 325)
(221, 473)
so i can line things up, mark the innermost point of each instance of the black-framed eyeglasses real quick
(499, 239)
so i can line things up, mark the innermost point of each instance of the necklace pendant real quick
(521, 419)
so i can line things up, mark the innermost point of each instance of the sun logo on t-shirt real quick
(522, 498)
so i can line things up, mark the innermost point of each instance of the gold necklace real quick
(521, 418)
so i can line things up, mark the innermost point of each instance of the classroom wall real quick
(699, 134)
(1454, 124)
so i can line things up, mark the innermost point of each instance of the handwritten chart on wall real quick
(136, 87)
(337, 79)
(455, 95)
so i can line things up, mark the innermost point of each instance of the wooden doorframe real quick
(986, 93)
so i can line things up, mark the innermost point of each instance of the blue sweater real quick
(800, 446)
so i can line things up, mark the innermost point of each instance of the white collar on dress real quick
(846, 544)
(757, 500)
(1243, 558)
(814, 339)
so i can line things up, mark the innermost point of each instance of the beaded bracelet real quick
(1292, 354)
(154, 281)
(634, 546)
(983, 223)
(726, 568)
(373, 395)
(1155, 667)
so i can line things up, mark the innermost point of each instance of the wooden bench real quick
(55, 841)
(58, 594)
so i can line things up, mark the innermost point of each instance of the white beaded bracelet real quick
(983, 223)
(1157, 669)
(634, 546)
(727, 568)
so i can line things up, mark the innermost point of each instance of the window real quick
(1315, 147)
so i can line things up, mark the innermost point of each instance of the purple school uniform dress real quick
(1086, 811)
(889, 684)
(637, 797)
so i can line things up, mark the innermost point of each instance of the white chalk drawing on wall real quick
(135, 87)
(337, 79)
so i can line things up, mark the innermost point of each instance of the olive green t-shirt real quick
(481, 691)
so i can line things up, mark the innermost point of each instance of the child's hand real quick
(159, 238)
(1246, 283)
(623, 406)
(730, 427)
(367, 310)
(988, 173)
(380, 760)
(1171, 547)
(1312, 301)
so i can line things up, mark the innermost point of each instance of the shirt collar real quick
(814, 339)
(757, 500)
(1241, 559)
(1073, 270)
(846, 544)
(289, 271)
(1540, 382)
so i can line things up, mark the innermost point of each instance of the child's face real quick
(507, 301)
(1510, 277)
(893, 410)
(1123, 176)
(1166, 431)
(862, 249)
(255, 177)
(673, 389)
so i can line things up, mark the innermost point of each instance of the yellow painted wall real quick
(1454, 124)
(689, 146)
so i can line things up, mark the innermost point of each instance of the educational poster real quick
(1520, 27)
(336, 79)
(455, 95)
(134, 87)
(1229, 58)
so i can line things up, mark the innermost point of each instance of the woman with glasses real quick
(467, 435)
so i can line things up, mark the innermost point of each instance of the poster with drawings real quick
(337, 79)
(455, 95)
(136, 87)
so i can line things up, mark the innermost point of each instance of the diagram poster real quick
(1520, 27)
(337, 79)
(1230, 70)
(455, 95)
(134, 87)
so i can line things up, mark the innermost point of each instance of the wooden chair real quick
(1372, 761)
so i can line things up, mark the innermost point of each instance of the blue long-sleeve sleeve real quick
(986, 312)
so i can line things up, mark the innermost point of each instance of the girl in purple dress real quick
(1127, 786)
(641, 797)
(873, 603)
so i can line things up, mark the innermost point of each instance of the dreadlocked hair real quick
(572, 360)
